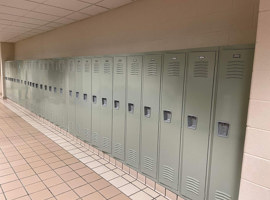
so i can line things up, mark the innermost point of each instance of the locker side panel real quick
(234, 74)
(171, 118)
(119, 107)
(150, 114)
(197, 123)
(133, 118)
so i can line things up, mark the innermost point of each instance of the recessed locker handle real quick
(70, 93)
(131, 108)
(147, 111)
(104, 102)
(116, 104)
(77, 95)
(192, 122)
(85, 97)
(223, 129)
(167, 116)
(94, 99)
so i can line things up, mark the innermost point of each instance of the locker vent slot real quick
(132, 156)
(168, 173)
(107, 69)
(152, 69)
(135, 70)
(105, 143)
(235, 70)
(192, 185)
(174, 68)
(200, 69)
(95, 138)
(148, 163)
(222, 196)
(118, 149)
(119, 68)
(96, 68)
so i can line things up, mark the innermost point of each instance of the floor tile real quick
(141, 195)
(95, 196)
(70, 195)
(109, 192)
(59, 189)
(14, 194)
(151, 192)
(77, 182)
(35, 187)
(84, 190)
(41, 195)
(118, 182)
(129, 189)
(11, 185)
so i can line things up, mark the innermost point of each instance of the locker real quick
(96, 102)
(234, 74)
(62, 93)
(46, 90)
(86, 100)
(79, 98)
(171, 118)
(41, 77)
(197, 121)
(72, 96)
(50, 91)
(133, 116)
(106, 104)
(150, 114)
(56, 92)
(119, 106)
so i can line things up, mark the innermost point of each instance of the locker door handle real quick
(147, 111)
(131, 108)
(104, 102)
(55, 90)
(70, 93)
(77, 95)
(85, 97)
(116, 104)
(192, 122)
(94, 99)
(61, 90)
(223, 129)
(167, 116)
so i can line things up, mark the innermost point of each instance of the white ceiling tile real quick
(91, 1)
(8, 17)
(113, 3)
(93, 10)
(27, 25)
(45, 28)
(13, 11)
(41, 16)
(5, 22)
(77, 16)
(54, 24)
(65, 20)
(23, 4)
(50, 10)
(31, 20)
(39, 1)
(67, 4)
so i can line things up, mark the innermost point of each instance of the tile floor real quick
(40, 161)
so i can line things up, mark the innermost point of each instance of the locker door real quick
(96, 100)
(46, 94)
(79, 98)
(56, 92)
(150, 114)
(119, 106)
(41, 86)
(133, 123)
(106, 104)
(71, 97)
(171, 118)
(86, 98)
(234, 74)
(62, 93)
(197, 117)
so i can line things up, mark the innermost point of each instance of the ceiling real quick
(21, 19)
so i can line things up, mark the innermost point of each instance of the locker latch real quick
(192, 122)
(104, 102)
(85, 97)
(131, 108)
(50, 88)
(45, 87)
(55, 90)
(94, 99)
(116, 104)
(223, 129)
(61, 90)
(36, 85)
(41, 86)
(77, 95)
(70, 93)
(147, 111)
(167, 116)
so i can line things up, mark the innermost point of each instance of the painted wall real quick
(149, 25)
(255, 183)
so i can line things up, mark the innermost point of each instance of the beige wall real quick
(149, 25)
(6, 53)
(255, 183)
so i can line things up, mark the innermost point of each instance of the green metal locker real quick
(96, 100)
(86, 97)
(63, 68)
(119, 107)
(133, 116)
(197, 120)
(72, 97)
(171, 118)
(234, 74)
(106, 104)
(150, 115)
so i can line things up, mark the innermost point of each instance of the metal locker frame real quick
(119, 107)
(233, 87)
(133, 116)
(172, 88)
(152, 65)
(106, 104)
(197, 122)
